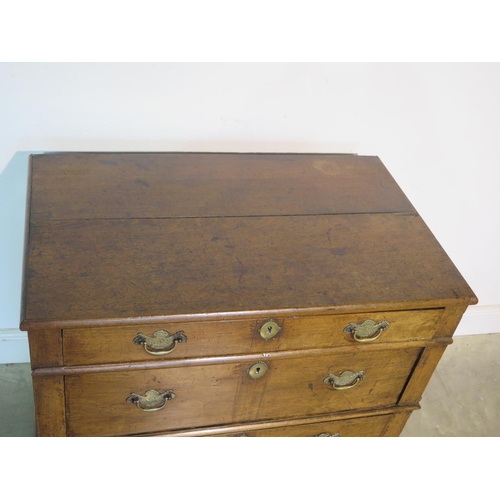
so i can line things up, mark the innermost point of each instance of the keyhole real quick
(269, 329)
(257, 370)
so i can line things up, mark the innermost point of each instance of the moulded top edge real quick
(37, 324)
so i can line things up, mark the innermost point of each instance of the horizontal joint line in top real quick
(227, 216)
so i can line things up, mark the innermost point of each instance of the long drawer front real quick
(352, 426)
(245, 336)
(155, 400)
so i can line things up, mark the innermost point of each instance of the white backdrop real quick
(435, 126)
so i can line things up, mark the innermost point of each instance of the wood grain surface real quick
(145, 185)
(84, 270)
(379, 421)
(214, 245)
(46, 348)
(224, 393)
(50, 406)
(221, 338)
(396, 424)
(351, 427)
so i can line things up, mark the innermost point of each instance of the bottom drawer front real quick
(222, 394)
(352, 427)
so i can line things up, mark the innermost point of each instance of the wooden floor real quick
(462, 398)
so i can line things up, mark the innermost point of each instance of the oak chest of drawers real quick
(203, 294)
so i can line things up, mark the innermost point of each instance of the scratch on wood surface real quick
(329, 240)
(141, 181)
(348, 400)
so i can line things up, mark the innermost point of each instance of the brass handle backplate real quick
(269, 329)
(161, 342)
(152, 400)
(345, 380)
(367, 331)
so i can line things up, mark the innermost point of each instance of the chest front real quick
(230, 294)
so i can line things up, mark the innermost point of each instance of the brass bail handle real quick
(368, 331)
(152, 400)
(161, 342)
(344, 380)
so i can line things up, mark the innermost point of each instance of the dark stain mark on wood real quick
(339, 251)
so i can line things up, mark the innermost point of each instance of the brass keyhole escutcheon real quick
(258, 370)
(269, 329)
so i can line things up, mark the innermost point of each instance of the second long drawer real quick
(118, 402)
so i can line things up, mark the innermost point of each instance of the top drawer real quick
(246, 336)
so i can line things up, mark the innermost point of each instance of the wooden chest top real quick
(118, 238)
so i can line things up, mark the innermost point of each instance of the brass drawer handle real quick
(161, 342)
(345, 380)
(328, 435)
(152, 400)
(367, 331)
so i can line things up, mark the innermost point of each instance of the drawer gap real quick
(417, 361)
